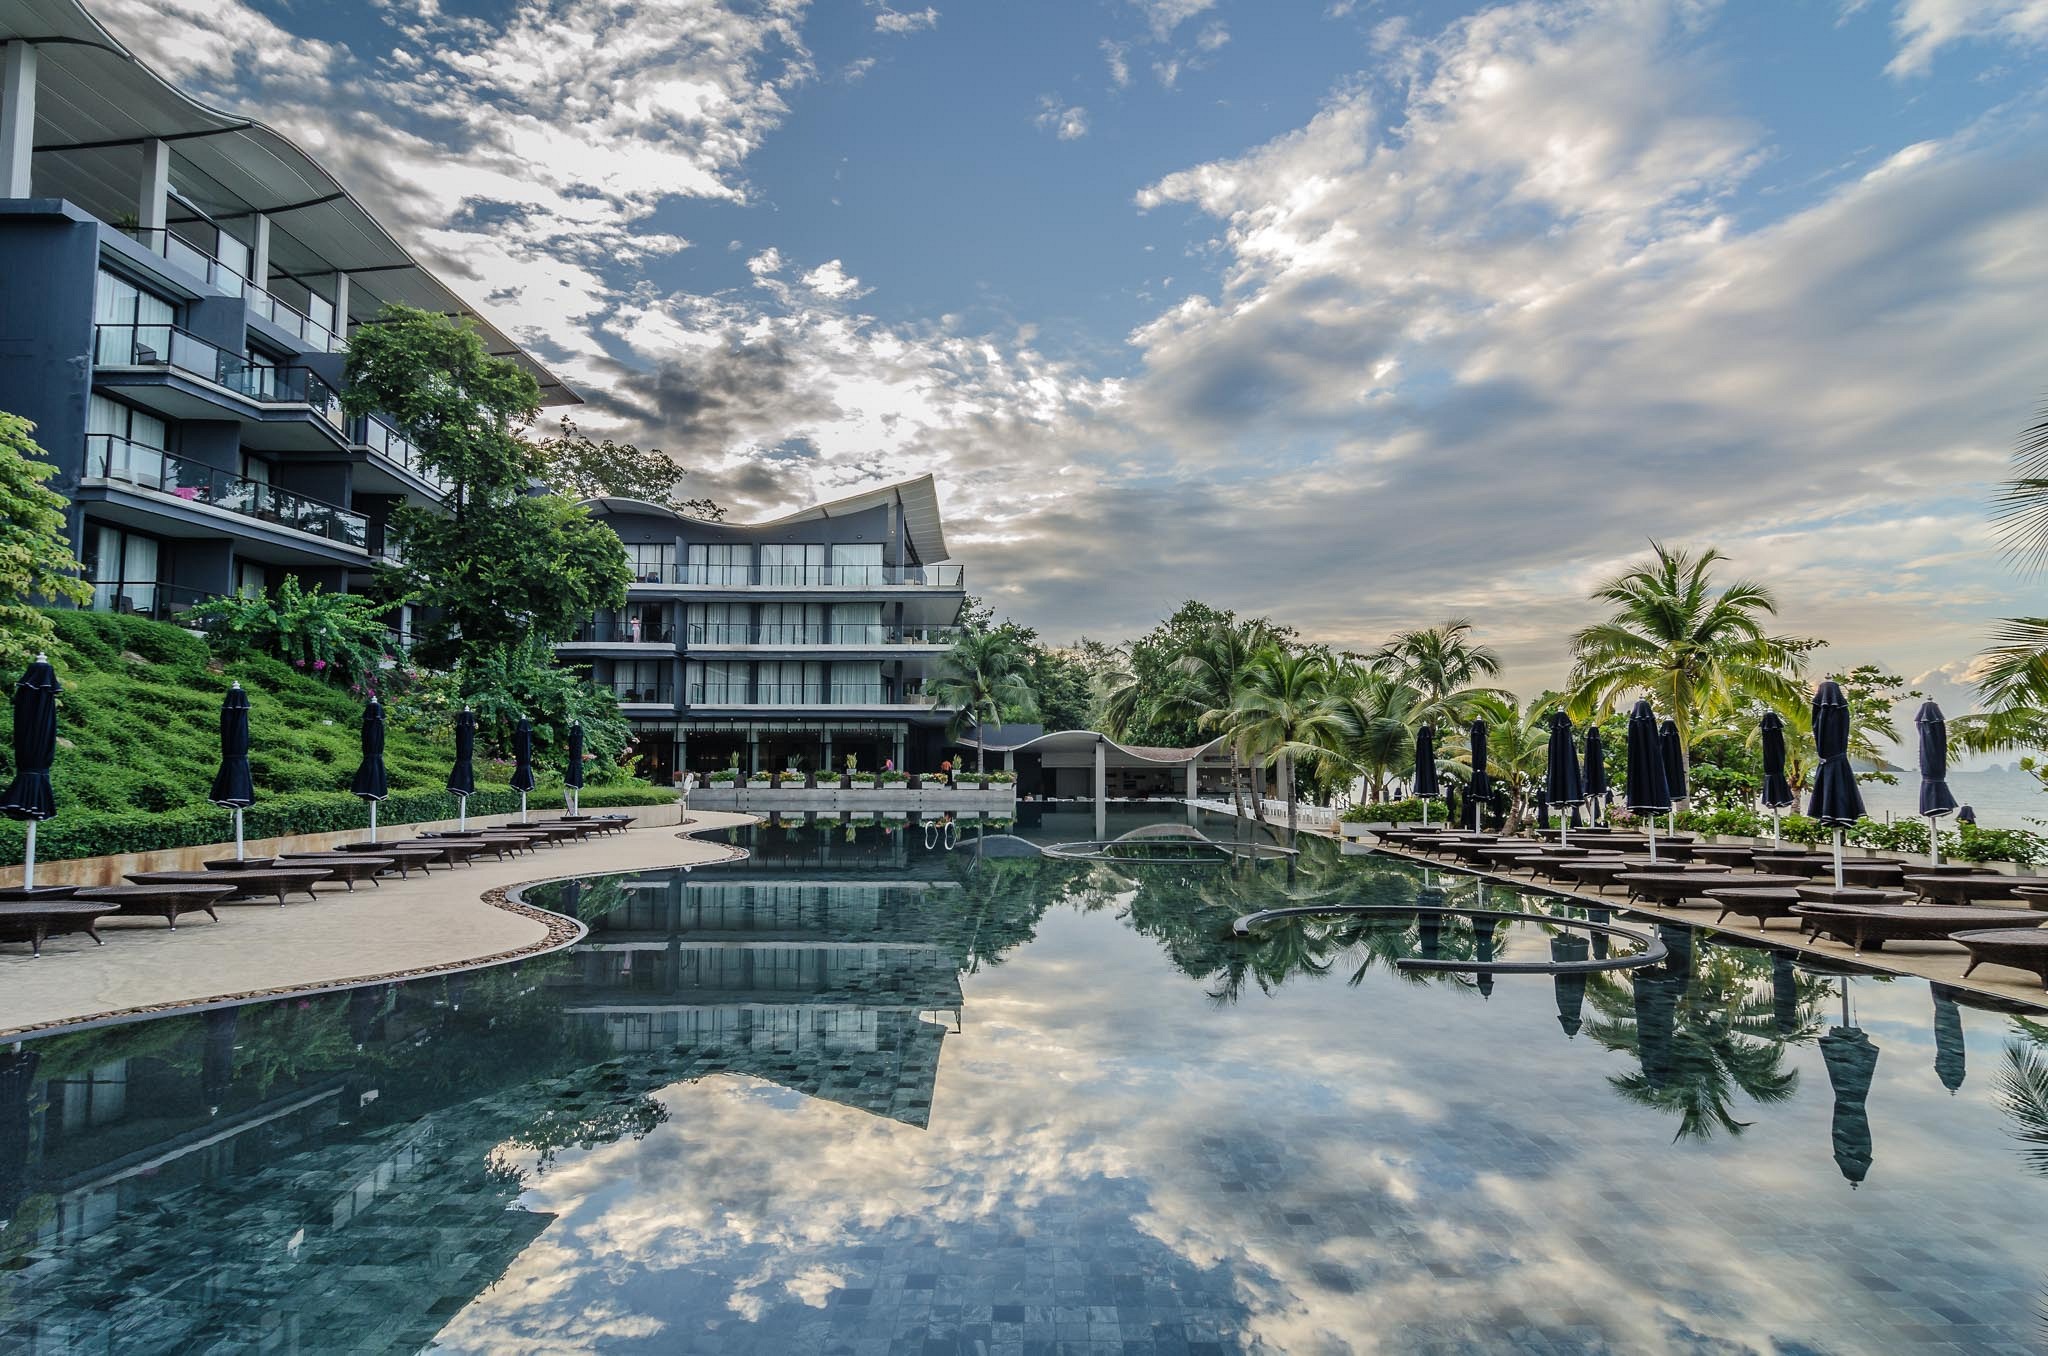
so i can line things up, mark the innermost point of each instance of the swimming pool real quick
(922, 1088)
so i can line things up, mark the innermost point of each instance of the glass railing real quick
(147, 598)
(660, 694)
(379, 439)
(191, 257)
(803, 694)
(819, 576)
(167, 346)
(624, 631)
(721, 694)
(292, 320)
(712, 635)
(117, 460)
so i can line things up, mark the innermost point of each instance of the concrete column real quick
(753, 749)
(153, 204)
(1009, 760)
(1193, 784)
(1101, 772)
(259, 255)
(341, 305)
(901, 750)
(826, 765)
(17, 118)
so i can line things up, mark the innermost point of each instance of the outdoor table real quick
(240, 863)
(277, 880)
(404, 854)
(2020, 948)
(458, 850)
(1869, 896)
(1733, 854)
(1599, 872)
(1761, 902)
(160, 901)
(501, 843)
(1867, 872)
(1807, 864)
(1868, 928)
(1509, 854)
(1669, 887)
(1960, 889)
(1551, 866)
(348, 867)
(535, 836)
(23, 894)
(1475, 850)
(32, 920)
(579, 828)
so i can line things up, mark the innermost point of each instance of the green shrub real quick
(1901, 835)
(725, 776)
(1973, 844)
(892, 777)
(1394, 812)
(1728, 821)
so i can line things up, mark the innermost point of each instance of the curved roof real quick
(1077, 740)
(920, 499)
(97, 104)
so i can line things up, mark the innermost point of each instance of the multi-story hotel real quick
(796, 642)
(177, 288)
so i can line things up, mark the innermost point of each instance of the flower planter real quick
(860, 783)
(759, 783)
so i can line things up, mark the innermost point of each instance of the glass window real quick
(718, 682)
(124, 443)
(793, 563)
(134, 324)
(650, 561)
(641, 680)
(718, 563)
(122, 568)
(857, 563)
(792, 683)
(718, 623)
(857, 684)
(858, 624)
(792, 623)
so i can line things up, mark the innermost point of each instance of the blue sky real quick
(1359, 314)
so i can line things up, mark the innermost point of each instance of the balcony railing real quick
(147, 598)
(660, 694)
(711, 635)
(374, 435)
(803, 694)
(197, 259)
(167, 346)
(612, 631)
(117, 460)
(292, 320)
(818, 576)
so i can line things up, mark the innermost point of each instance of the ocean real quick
(2003, 799)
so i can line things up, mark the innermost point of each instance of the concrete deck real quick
(444, 920)
(1941, 962)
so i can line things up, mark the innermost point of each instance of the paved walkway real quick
(439, 921)
(1941, 962)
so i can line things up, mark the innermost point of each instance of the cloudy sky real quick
(1357, 313)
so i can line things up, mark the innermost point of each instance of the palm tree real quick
(1441, 662)
(1286, 710)
(1387, 713)
(1517, 744)
(985, 674)
(2022, 512)
(1210, 678)
(2013, 681)
(1699, 654)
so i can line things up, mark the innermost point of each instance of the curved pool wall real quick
(853, 1092)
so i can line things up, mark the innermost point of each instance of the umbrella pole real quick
(28, 861)
(1777, 827)
(373, 821)
(1933, 840)
(522, 809)
(1564, 828)
(1838, 859)
(1425, 812)
(461, 813)
(238, 833)
(1653, 839)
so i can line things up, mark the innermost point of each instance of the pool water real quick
(921, 1088)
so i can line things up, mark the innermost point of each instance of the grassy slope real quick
(139, 731)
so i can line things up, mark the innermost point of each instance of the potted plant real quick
(891, 778)
(856, 780)
(757, 781)
(726, 776)
(989, 779)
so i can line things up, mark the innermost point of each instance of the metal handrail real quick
(108, 458)
(818, 576)
(799, 633)
(662, 694)
(375, 435)
(175, 348)
(147, 598)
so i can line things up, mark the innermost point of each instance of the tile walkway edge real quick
(339, 940)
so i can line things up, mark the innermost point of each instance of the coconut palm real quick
(1517, 744)
(1441, 662)
(1287, 711)
(1209, 679)
(2013, 682)
(1699, 654)
(1387, 713)
(985, 674)
(2022, 503)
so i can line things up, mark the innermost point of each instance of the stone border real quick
(562, 932)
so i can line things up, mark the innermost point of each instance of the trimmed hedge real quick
(1394, 812)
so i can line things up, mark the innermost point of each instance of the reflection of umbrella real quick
(1948, 1037)
(365, 1006)
(572, 775)
(233, 788)
(17, 1080)
(1936, 799)
(369, 782)
(1852, 1064)
(29, 796)
(217, 1059)
(1836, 801)
(1777, 792)
(1595, 779)
(1561, 780)
(1648, 793)
(1478, 788)
(462, 776)
(1482, 949)
(1784, 994)
(1425, 767)
(1571, 988)
(522, 762)
(1656, 1008)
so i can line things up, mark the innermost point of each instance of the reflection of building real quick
(839, 990)
(792, 643)
(1086, 765)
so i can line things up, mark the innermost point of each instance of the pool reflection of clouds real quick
(1491, 1185)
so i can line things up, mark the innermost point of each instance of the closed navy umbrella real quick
(1425, 768)
(1476, 790)
(462, 776)
(1936, 799)
(233, 788)
(1595, 779)
(1777, 792)
(369, 782)
(1648, 793)
(522, 762)
(1836, 802)
(1543, 810)
(572, 775)
(1673, 750)
(1562, 785)
(29, 797)
(1966, 815)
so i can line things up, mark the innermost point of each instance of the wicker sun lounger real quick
(32, 921)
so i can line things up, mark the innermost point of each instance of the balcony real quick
(644, 694)
(815, 576)
(117, 461)
(147, 598)
(223, 277)
(168, 348)
(766, 695)
(383, 442)
(864, 636)
(294, 321)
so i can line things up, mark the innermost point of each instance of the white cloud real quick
(1166, 15)
(1924, 27)
(766, 263)
(831, 280)
(1117, 55)
(906, 21)
(1068, 122)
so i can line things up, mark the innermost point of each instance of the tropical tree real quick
(2022, 503)
(36, 563)
(1443, 663)
(1386, 713)
(1287, 710)
(1209, 677)
(1517, 744)
(573, 463)
(985, 674)
(1700, 654)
